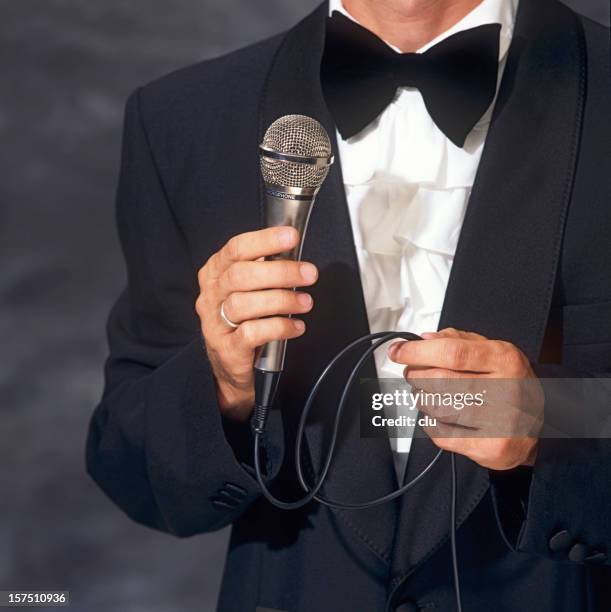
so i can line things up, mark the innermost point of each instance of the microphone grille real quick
(295, 135)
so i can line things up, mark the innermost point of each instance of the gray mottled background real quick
(67, 67)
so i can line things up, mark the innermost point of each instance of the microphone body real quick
(284, 206)
(295, 157)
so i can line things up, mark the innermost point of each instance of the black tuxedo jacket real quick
(533, 267)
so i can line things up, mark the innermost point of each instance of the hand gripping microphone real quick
(295, 158)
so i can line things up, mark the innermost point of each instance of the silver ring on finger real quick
(226, 319)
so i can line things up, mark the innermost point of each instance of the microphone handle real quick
(283, 208)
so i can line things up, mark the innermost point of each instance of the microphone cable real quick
(265, 392)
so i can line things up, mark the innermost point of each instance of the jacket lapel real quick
(505, 265)
(362, 468)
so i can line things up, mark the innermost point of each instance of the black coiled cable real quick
(312, 491)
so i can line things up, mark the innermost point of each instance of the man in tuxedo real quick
(470, 196)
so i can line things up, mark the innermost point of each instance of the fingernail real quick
(287, 237)
(299, 325)
(429, 335)
(308, 272)
(304, 299)
(393, 349)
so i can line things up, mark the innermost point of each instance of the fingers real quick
(492, 453)
(446, 353)
(257, 275)
(242, 306)
(504, 437)
(254, 245)
(255, 333)
(451, 332)
(252, 291)
(420, 373)
(438, 372)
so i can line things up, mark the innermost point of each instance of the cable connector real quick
(266, 386)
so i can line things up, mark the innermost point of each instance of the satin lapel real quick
(362, 468)
(505, 265)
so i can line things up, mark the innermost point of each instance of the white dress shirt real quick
(407, 187)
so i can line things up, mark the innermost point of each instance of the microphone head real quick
(295, 152)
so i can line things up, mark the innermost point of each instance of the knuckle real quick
(233, 275)
(248, 333)
(281, 328)
(274, 328)
(233, 248)
(289, 272)
(200, 305)
(499, 346)
(287, 301)
(457, 353)
(202, 275)
(504, 347)
(233, 304)
(288, 328)
(513, 359)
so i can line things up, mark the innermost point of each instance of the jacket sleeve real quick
(157, 444)
(561, 508)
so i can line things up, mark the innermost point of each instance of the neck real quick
(409, 24)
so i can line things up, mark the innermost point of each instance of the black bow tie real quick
(457, 78)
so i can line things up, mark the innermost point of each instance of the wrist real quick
(235, 403)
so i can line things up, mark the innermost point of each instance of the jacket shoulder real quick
(598, 39)
(597, 35)
(210, 84)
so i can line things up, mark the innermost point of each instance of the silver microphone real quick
(295, 158)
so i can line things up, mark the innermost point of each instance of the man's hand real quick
(254, 293)
(454, 354)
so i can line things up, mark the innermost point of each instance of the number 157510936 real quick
(34, 598)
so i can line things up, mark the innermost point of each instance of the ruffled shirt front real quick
(407, 188)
